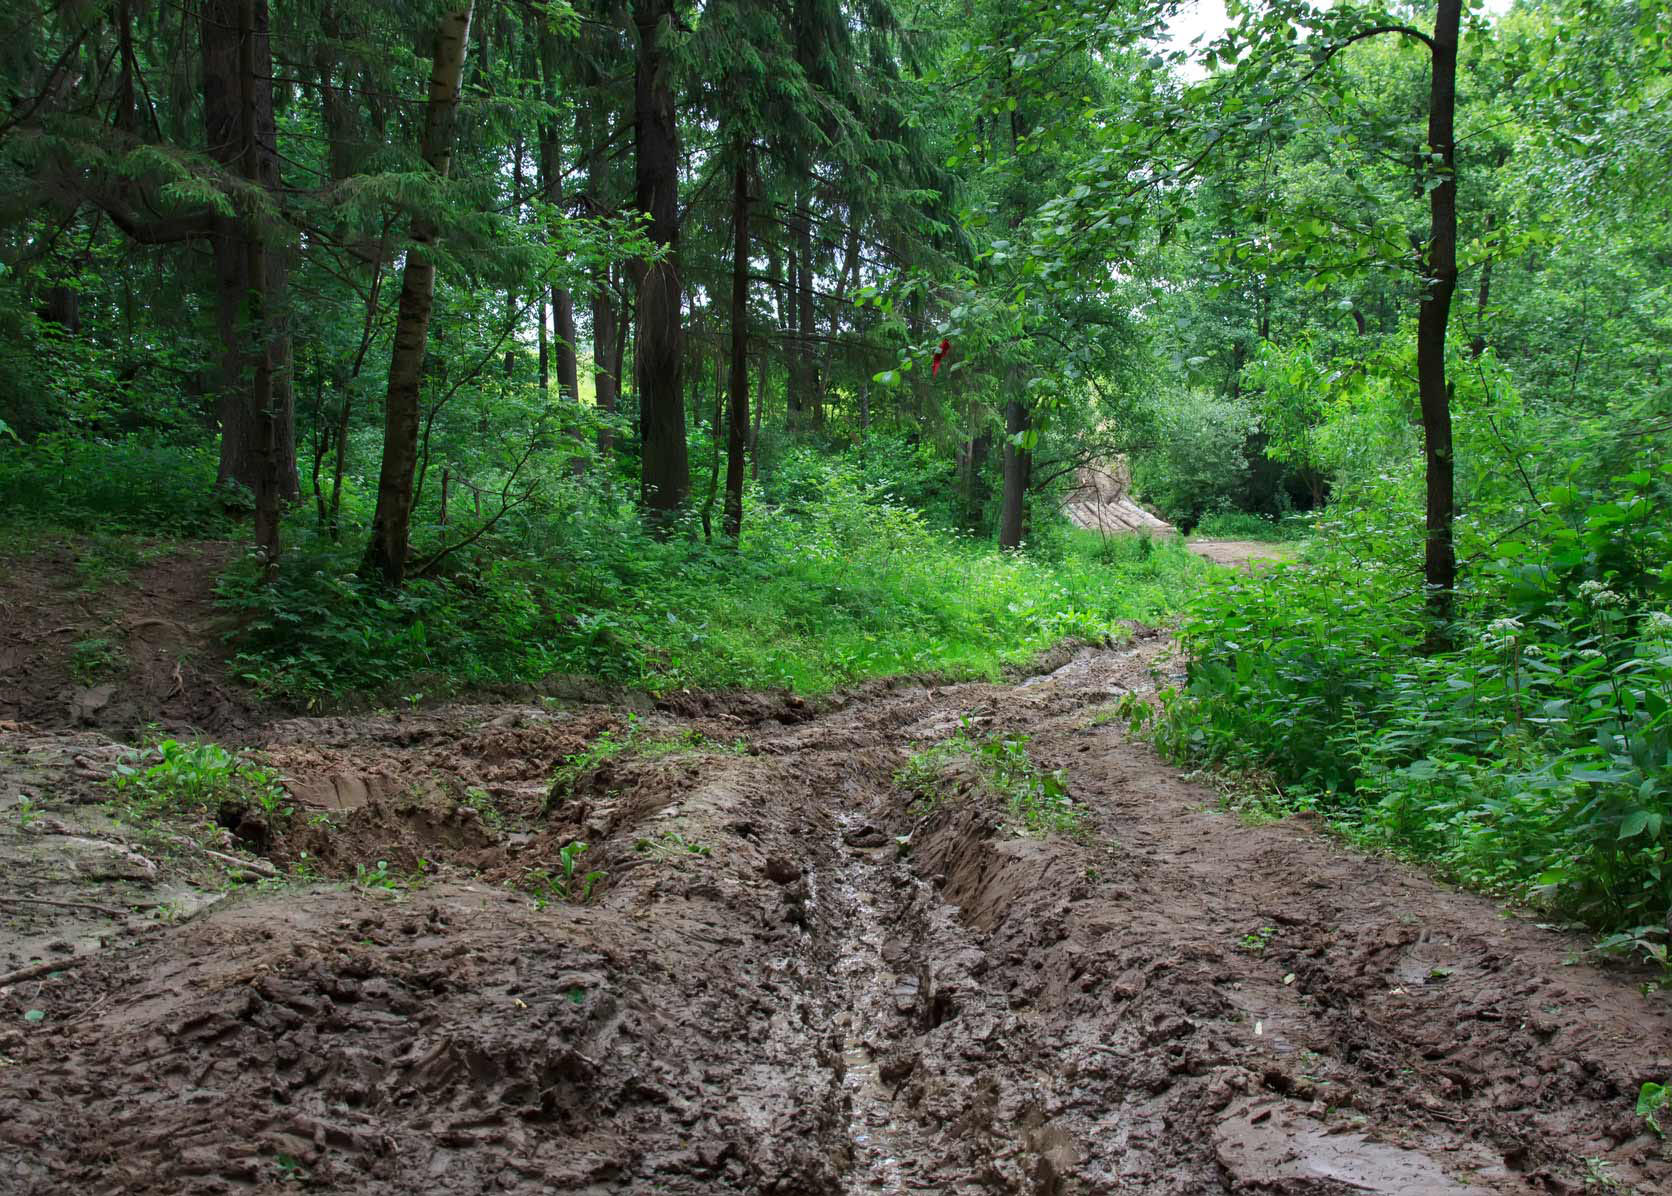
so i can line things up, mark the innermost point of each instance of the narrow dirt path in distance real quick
(794, 979)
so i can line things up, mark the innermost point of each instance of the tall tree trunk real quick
(239, 134)
(266, 273)
(551, 183)
(605, 329)
(392, 524)
(737, 410)
(658, 356)
(789, 321)
(1017, 466)
(545, 359)
(605, 356)
(760, 406)
(838, 308)
(1439, 558)
(805, 356)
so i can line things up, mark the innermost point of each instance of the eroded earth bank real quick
(795, 975)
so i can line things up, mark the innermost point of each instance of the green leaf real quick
(1635, 824)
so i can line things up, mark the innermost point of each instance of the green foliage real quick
(1255, 942)
(1038, 799)
(137, 484)
(567, 882)
(1533, 758)
(1651, 1099)
(1200, 460)
(671, 845)
(378, 876)
(173, 776)
(577, 764)
(1241, 525)
(95, 657)
(818, 595)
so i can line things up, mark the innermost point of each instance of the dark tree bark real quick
(1440, 269)
(606, 354)
(789, 319)
(605, 327)
(551, 187)
(255, 404)
(658, 357)
(755, 426)
(806, 358)
(386, 553)
(737, 409)
(1017, 466)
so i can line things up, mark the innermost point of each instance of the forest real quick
(1052, 501)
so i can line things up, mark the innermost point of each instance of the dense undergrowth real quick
(1534, 757)
(848, 569)
(858, 586)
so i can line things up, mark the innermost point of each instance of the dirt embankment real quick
(117, 634)
(792, 978)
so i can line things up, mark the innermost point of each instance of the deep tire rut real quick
(795, 982)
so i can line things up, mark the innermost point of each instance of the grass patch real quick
(813, 598)
(1037, 800)
(633, 740)
(1240, 525)
(96, 657)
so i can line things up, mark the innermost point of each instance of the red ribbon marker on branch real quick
(945, 347)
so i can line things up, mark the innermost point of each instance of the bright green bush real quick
(819, 593)
(1242, 525)
(1535, 757)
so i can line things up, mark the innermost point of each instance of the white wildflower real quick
(1659, 623)
(1500, 633)
(1599, 596)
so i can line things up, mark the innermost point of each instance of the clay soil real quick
(793, 976)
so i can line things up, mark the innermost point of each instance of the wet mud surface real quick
(795, 977)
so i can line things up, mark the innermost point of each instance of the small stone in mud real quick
(866, 836)
(781, 871)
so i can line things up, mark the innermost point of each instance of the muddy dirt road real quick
(796, 977)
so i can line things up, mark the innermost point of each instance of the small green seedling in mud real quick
(671, 845)
(93, 658)
(564, 883)
(482, 802)
(376, 878)
(1257, 941)
(578, 764)
(1040, 799)
(1644, 942)
(34, 1015)
(1130, 709)
(28, 809)
(1651, 1099)
(1598, 1176)
(412, 701)
(290, 1169)
(178, 777)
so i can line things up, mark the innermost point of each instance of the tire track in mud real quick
(1174, 1004)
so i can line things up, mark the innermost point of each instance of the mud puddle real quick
(770, 970)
